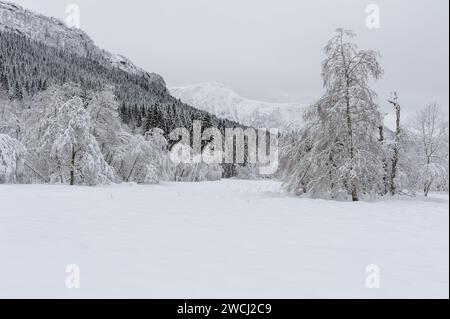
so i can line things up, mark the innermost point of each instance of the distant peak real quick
(222, 101)
(205, 85)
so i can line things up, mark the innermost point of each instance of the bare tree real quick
(432, 128)
(396, 148)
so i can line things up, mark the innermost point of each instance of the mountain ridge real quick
(37, 52)
(55, 33)
(218, 99)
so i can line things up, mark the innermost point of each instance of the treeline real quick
(28, 67)
(65, 135)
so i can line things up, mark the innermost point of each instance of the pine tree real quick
(207, 121)
(18, 92)
(123, 111)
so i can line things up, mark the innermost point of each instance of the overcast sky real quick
(271, 49)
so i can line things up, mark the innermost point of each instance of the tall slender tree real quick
(396, 147)
(343, 158)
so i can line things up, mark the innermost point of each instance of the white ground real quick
(228, 239)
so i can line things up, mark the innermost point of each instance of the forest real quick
(69, 119)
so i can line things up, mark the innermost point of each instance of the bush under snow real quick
(11, 159)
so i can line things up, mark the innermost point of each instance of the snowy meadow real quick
(226, 239)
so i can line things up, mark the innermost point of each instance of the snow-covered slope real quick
(55, 33)
(221, 101)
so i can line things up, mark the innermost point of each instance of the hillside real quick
(37, 52)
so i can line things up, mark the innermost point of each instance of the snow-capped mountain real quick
(55, 33)
(223, 102)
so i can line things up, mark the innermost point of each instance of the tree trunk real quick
(396, 156)
(348, 80)
(427, 188)
(350, 137)
(428, 185)
(72, 167)
(37, 173)
(352, 150)
(385, 164)
(132, 169)
(355, 197)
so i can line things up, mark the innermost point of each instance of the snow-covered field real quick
(233, 239)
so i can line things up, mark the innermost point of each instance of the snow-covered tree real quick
(29, 68)
(12, 154)
(75, 149)
(431, 129)
(249, 171)
(408, 168)
(294, 149)
(136, 165)
(189, 166)
(160, 156)
(105, 121)
(61, 142)
(10, 122)
(197, 172)
(143, 159)
(341, 156)
(396, 145)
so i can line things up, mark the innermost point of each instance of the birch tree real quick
(60, 140)
(75, 151)
(344, 158)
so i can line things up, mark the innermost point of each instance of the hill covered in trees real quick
(38, 51)
(28, 67)
(44, 63)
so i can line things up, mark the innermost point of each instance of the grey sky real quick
(271, 49)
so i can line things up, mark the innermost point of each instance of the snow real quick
(50, 31)
(221, 101)
(55, 33)
(226, 239)
(123, 63)
(11, 151)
